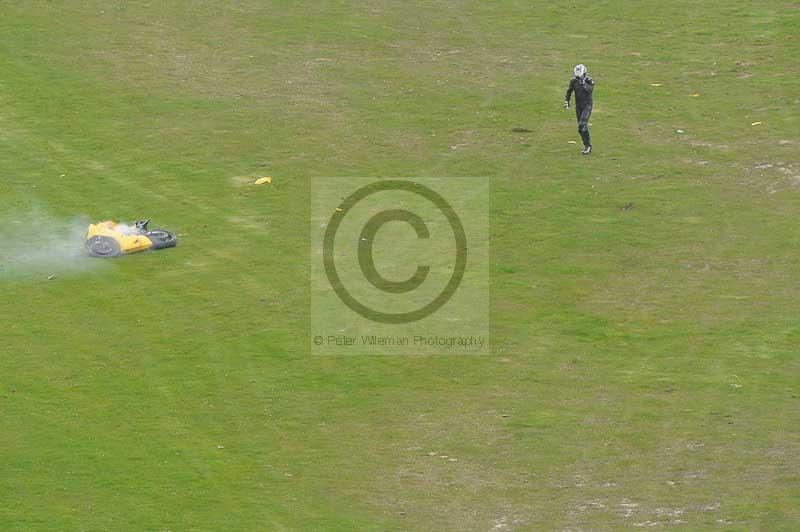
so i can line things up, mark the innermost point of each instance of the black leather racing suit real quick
(582, 87)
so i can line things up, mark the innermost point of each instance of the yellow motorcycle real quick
(112, 239)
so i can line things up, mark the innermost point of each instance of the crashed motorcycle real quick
(112, 239)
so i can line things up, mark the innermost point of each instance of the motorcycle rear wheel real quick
(103, 246)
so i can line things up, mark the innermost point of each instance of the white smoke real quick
(32, 243)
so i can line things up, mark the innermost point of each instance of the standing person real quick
(582, 85)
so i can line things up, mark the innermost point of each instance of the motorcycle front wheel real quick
(162, 239)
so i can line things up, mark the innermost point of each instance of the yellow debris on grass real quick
(263, 180)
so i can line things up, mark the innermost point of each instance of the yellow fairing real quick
(128, 243)
(134, 243)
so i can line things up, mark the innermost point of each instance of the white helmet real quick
(579, 71)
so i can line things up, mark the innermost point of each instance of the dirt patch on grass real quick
(436, 482)
(771, 177)
(252, 222)
(243, 180)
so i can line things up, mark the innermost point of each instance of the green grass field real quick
(644, 369)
